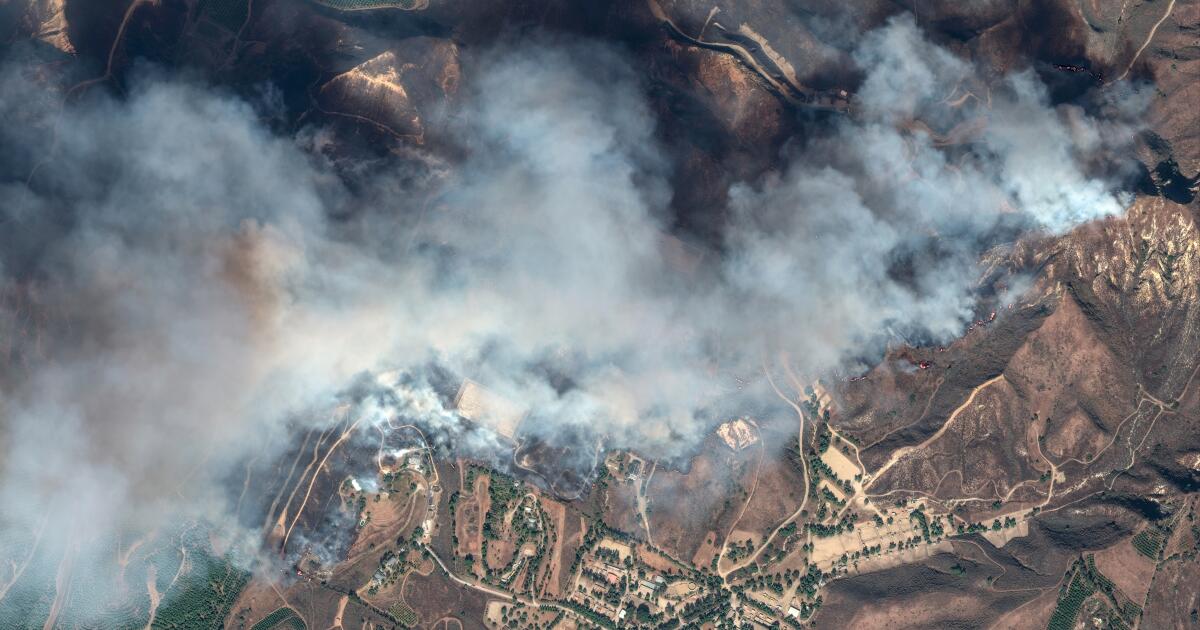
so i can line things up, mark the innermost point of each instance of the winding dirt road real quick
(900, 453)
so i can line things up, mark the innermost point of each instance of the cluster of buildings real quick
(611, 582)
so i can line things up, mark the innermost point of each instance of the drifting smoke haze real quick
(199, 300)
(875, 229)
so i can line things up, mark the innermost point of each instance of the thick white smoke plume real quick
(934, 162)
(191, 297)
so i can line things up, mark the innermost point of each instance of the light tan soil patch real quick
(623, 550)
(341, 611)
(826, 551)
(500, 552)
(489, 409)
(912, 555)
(1001, 537)
(656, 560)
(737, 434)
(841, 464)
(707, 551)
(681, 590)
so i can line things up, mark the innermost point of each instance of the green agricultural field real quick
(27, 602)
(1099, 578)
(281, 619)
(1067, 610)
(192, 598)
(204, 596)
(1148, 543)
(405, 615)
(105, 606)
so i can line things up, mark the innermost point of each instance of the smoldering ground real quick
(195, 302)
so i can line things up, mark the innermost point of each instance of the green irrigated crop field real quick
(204, 595)
(1067, 610)
(27, 601)
(404, 614)
(196, 593)
(1148, 543)
(280, 619)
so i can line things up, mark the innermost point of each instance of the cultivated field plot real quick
(479, 404)
(366, 5)
(281, 619)
(840, 463)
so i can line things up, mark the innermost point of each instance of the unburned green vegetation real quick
(404, 614)
(1109, 604)
(28, 600)
(203, 595)
(281, 619)
(502, 490)
(1148, 543)
(1070, 602)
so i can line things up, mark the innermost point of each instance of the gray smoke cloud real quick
(838, 244)
(196, 300)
